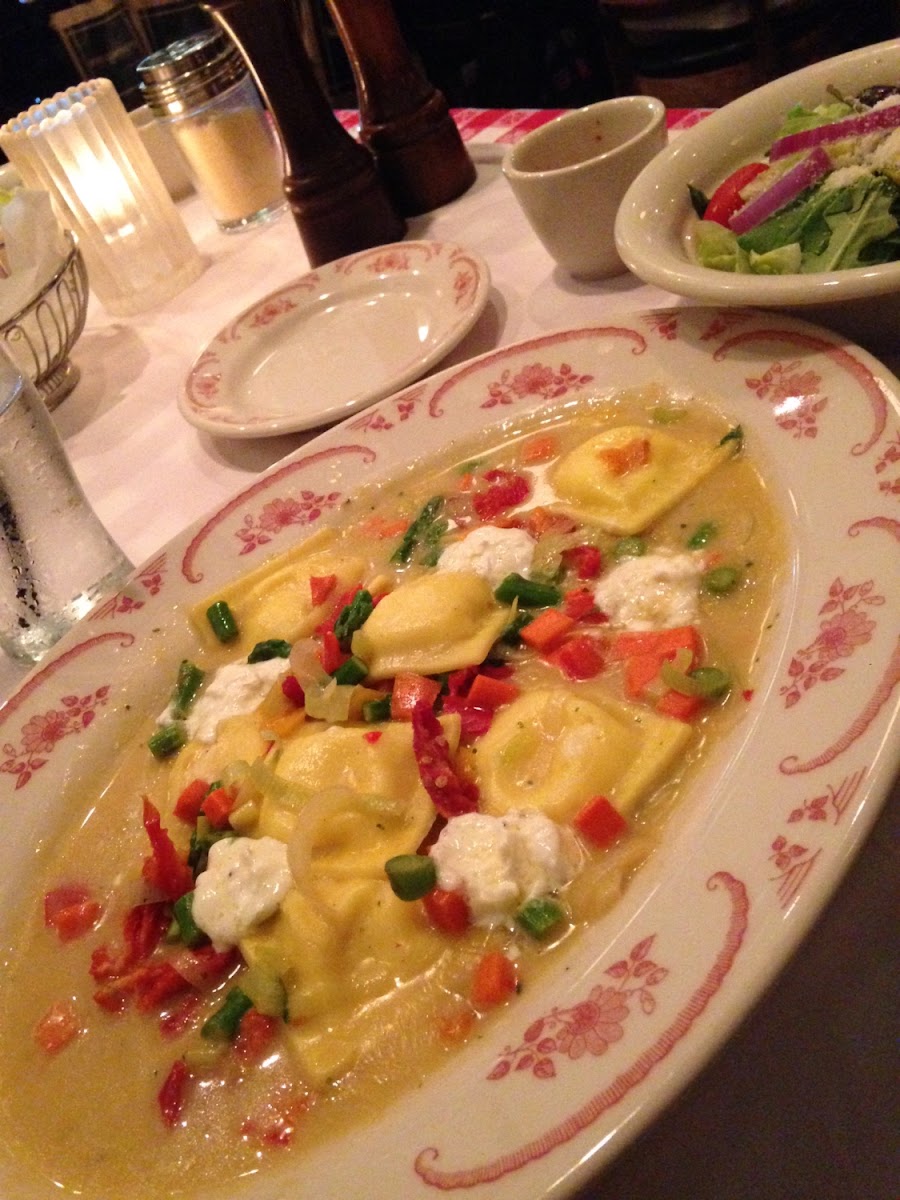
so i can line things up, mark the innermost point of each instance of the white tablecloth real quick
(802, 1103)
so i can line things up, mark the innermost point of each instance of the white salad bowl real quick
(654, 221)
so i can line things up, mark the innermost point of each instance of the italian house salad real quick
(826, 197)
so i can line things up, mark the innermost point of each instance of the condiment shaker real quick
(338, 200)
(201, 87)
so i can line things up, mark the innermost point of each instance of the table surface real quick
(802, 1103)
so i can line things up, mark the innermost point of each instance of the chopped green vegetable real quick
(735, 435)
(353, 670)
(529, 592)
(202, 838)
(711, 682)
(271, 648)
(629, 547)
(539, 917)
(411, 876)
(188, 929)
(167, 740)
(353, 615)
(720, 580)
(510, 635)
(187, 684)
(223, 1025)
(699, 200)
(222, 621)
(377, 710)
(702, 535)
(423, 535)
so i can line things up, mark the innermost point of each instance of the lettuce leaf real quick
(864, 223)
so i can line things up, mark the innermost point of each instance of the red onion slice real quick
(807, 172)
(849, 127)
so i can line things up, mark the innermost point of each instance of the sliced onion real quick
(807, 172)
(850, 127)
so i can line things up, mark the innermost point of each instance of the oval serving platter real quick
(569, 1073)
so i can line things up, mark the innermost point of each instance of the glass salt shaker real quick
(202, 88)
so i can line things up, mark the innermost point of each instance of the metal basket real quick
(40, 336)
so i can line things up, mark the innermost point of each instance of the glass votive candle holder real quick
(82, 148)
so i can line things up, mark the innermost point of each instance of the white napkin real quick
(33, 248)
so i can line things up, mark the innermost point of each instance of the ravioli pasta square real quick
(626, 478)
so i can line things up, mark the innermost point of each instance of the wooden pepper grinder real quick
(338, 200)
(404, 120)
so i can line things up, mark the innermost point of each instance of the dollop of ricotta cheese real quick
(499, 863)
(234, 689)
(654, 591)
(491, 552)
(244, 883)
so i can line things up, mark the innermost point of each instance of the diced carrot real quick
(661, 642)
(320, 588)
(580, 657)
(547, 629)
(447, 911)
(676, 704)
(599, 821)
(218, 806)
(71, 911)
(494, 980)
(456, 1026)
(409, 690)
(190, 801)
(640, 671)
(466, 481)
(540, 448)
(57, 1027)
(539, 520)
(488, 692)
(619, 460)
(384, 527)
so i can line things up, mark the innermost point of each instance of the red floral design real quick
(846, 627)
(831, 804)
(592, 1025)
(888, 462)
(150, 577)
(794, 396)
(664, 323)
(42, 731)
(722, 322)
(534, 380)
(464, 286)
(378, 421)
(392, 260)
(793, 863)
(281, 512)
(270, 310)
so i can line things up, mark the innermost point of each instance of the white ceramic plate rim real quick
(653, 217)
(751, 856)
(451, 281)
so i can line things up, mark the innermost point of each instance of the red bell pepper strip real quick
(505, 490)
(579, 603)
(474, 721)
(450, 794)
(447, 911)
(173, 1093)
(586, 560)
(190, 801)
(164, 869)
(218, 806)
(143, 929)
(581, 657)
(320, 588)
(292, 691)
(599, 821)
(727, 199)
(255, 1035)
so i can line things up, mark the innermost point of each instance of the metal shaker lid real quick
(189, 72)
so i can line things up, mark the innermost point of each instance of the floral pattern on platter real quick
(794, 395)
(846, 627)
(831, 804)
(42, 731)
(590, 1026)
(150, 577)
(604, 1013)
(535, 380)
